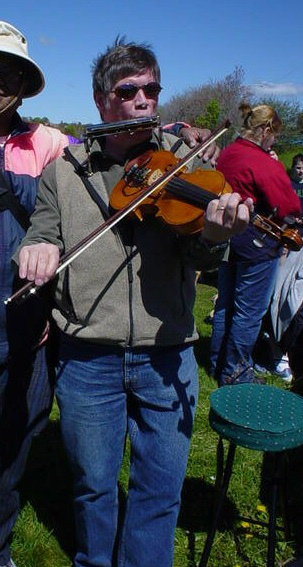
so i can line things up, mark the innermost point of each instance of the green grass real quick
(44, 533)
(286, 156)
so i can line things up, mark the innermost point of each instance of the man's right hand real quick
(38, 262)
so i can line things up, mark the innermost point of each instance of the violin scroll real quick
(285, 235)
(291, 238)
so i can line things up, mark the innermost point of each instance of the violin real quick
(180, 203)
(182, 200)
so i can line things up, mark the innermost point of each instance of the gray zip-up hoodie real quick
(135, 286)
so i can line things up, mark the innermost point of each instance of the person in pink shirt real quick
(25, 384)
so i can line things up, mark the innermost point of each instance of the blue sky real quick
(195, 42)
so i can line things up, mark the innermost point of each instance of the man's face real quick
(125, 103)
(11, 79)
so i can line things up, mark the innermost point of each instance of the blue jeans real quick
(244, 292)
(103, 394)
(25, 402)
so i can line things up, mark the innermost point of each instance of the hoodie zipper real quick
(130, 275)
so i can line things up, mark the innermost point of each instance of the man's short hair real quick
(120, 60)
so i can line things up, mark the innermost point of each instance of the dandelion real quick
(245, 524)
(261, 508)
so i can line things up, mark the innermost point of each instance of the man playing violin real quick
(124, 310)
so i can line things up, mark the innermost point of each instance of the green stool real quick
(263, 418)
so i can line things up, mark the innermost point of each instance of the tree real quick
(36, 120)
(75, 130)
(210, 117)
(221, 96)
(300, 122)
(289, 112)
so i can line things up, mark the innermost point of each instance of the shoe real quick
(243, 374)
(281, 369)
(9, 564)
(259, 369)
(285, 374)
(244, 378)
(234, 381)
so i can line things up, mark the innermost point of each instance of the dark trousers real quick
(25, 402)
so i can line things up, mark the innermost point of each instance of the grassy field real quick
(44, 534)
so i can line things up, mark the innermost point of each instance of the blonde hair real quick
(257, 118)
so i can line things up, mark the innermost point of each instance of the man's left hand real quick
(193, 136)
(226, 217)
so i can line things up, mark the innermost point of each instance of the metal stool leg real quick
(272, 526)
(276, 481)
(218, 507)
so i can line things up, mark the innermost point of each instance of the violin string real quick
(189, 192)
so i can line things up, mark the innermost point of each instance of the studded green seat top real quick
(260, 417)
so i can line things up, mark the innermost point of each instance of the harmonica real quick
(134, 125)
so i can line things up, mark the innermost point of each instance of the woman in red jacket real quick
(246, 278)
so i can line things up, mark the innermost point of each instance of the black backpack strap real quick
(8, 200)
(81, 171)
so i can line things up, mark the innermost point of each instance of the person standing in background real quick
(296, 176)
(246, 277)
(26, 391)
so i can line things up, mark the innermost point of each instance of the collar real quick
(18, 125)
(250, 143)
(99, 159)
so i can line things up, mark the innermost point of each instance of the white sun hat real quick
(13, 42)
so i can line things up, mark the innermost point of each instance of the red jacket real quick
(252, 172)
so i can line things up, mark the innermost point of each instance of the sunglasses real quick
(128, 91)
